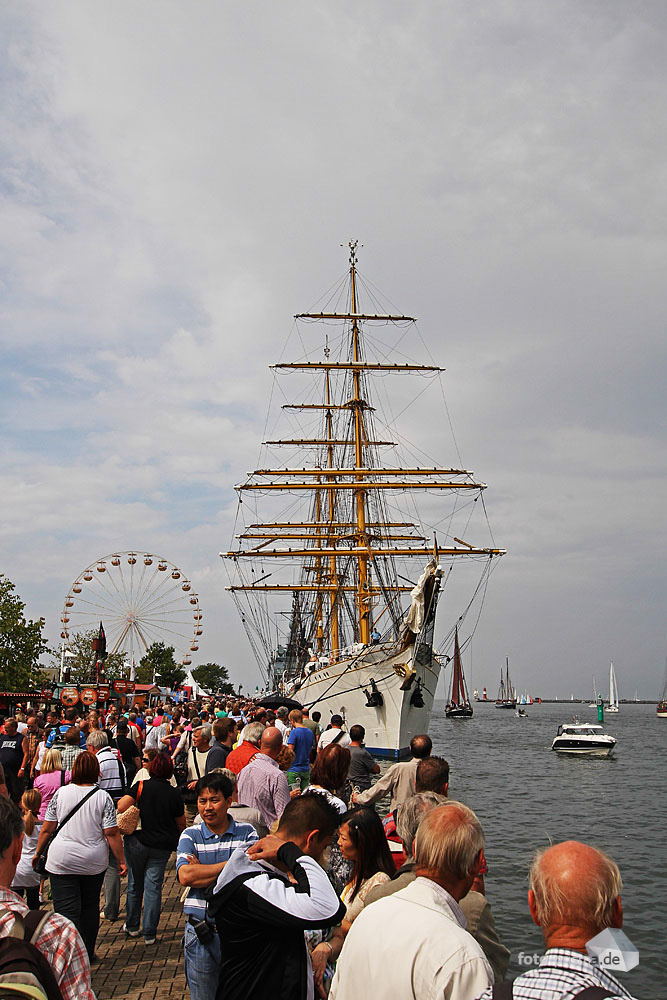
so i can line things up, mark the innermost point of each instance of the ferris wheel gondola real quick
(141, 598)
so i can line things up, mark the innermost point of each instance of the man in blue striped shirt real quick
(203, 852)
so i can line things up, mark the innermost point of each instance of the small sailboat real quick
(613, 691)
(662, 704)
(458, 706)
(506, 693)
(594, 703)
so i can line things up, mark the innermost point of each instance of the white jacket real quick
(411, 944)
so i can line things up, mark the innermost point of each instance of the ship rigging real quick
(359, 614)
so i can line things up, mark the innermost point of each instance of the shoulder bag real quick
(128, 821)
(40, 859)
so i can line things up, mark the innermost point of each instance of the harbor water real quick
(527, 796)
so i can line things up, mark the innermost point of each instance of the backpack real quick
(25, 973)
(181, 764)
(59, 739)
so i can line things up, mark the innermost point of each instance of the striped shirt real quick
(263, 786)
(562, 974)
(112, 772)
(210, 849)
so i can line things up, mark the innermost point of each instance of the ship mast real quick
(346, 544)
(363, 596)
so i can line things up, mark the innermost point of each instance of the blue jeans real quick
(145, 874)
(202, 965)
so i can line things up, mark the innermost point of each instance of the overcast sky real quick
(176, 182)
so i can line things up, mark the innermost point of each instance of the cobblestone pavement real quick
(128, 969)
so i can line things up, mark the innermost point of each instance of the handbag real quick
(39, 864)
(128, 821)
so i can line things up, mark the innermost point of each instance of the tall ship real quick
(506, 692)
(339, 590)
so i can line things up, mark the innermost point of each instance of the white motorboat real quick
(583, 737)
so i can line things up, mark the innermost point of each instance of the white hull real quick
(589, 751)
(578, 738)
(338, 688)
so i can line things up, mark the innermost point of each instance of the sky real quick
(176, 183)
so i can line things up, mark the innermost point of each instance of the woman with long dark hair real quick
(362, 843)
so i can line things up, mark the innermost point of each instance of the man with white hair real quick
(247, 747)
(574, 895)
(413, 944)
(113, 779)
(281, 722)
(474, 905)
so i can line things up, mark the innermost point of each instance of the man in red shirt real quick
(247, 749)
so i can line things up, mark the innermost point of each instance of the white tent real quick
(197, 690)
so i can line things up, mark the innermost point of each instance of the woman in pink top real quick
(51, 777)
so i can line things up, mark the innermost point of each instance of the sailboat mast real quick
(363, 595)
(458, 692)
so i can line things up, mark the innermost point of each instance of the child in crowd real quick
(26, 880)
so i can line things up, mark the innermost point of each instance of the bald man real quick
(261, 783)
(574, 894)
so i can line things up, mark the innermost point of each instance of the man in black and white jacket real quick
(267, 897)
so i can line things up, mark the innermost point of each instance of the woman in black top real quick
(147, 850)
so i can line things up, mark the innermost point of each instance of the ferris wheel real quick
(140, 598)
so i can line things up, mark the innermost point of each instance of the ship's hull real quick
(339, 688)
(600, 748)
(458, 712)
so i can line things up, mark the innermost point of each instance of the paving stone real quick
(130, 970)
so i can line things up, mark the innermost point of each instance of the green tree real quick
(80, 665)
(21, 642)
(158, 661)
(212, 677)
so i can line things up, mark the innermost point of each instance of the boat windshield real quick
(578, 731)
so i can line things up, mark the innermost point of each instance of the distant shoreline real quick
(563, 701)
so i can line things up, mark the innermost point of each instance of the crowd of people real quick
(293, 884)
